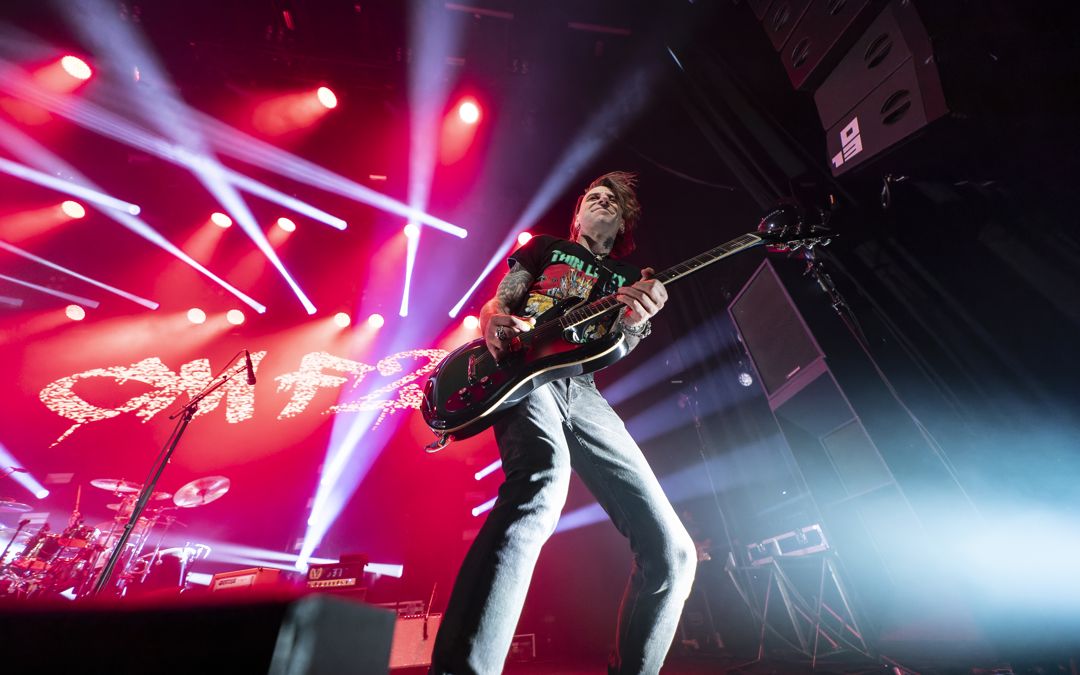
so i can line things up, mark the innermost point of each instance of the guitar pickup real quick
(470, 371)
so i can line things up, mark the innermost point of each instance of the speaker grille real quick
(772, 330)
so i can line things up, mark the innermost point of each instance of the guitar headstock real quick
(784, 229)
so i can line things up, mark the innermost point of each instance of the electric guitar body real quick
(468, 388)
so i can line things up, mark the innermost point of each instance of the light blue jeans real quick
(562, 425)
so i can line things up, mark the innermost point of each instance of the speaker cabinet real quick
(778, 340)
(229, 632)
(894, 37)
(882, 490)
(826, 29)
(414, 640)
(883, 90)
(780, 19)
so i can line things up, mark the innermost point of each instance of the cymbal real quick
(201, 491)
(115, 485)
(9, 506)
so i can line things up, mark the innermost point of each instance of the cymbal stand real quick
(169, 520)
(22, 523)
(183, 415)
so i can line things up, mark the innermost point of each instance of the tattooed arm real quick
(496, 313)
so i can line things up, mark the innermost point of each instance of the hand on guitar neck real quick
(643, 299)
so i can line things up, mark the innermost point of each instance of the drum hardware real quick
(22, 523)
(203, 494)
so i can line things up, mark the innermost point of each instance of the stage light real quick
(342, 320)
(28, 149)
(327, 97)
(412, 230)
(286, 224)
(87, 302)
(471, 322)
(196, 315)
(220, 219)
(745, 379)
(149, 304)
(235, 317)
(501, 252)
(469, 111)
(488, 470)
(376, 321)
(42, 493)
(73, 209)
(75, 312)
(76, 67)
(485, 507)
(524, 238)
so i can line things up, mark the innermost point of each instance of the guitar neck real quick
(606, 304)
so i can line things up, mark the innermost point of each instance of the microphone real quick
(250, 368)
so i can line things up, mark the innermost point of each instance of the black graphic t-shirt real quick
(565, 269)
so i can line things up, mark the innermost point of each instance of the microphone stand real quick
(185, 413)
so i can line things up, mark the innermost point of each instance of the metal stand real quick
(692, 404)
(819, 626)
(185, 413)
(22, 523)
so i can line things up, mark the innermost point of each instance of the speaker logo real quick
(850, 143)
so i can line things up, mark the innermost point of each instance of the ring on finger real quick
(500, 333)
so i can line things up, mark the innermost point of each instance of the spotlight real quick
(469, 111)
(745, 379)
(326, 97)
(76, 67)
(220, 219)
(343, 320)
(471, 322)
(524, 238)
(73, 209)
(75, 312)
(412, 230)
(42, 493)
(196, 315)
(235, 317)
(375, 321)
(286, 224)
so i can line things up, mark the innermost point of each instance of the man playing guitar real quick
(568, 424)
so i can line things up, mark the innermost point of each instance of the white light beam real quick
(149, 304)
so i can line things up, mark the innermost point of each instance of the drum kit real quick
(42, 563)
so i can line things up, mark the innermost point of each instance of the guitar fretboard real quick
(606, 304)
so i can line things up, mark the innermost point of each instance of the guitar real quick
(467, 390)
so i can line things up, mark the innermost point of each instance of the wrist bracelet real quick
(639, 332)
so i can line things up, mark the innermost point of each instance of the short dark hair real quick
(622, 184)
